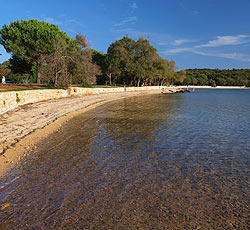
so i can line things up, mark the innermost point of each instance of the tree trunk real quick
(110, 78)
(138, 82)
(39, 65)
(55, 83)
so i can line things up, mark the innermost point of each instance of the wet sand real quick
(23, 127)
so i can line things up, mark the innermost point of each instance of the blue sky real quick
(194, 33)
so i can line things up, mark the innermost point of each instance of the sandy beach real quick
(23, 127)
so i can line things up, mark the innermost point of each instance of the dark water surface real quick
(151, 162)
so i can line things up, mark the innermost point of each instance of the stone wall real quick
(12, 99)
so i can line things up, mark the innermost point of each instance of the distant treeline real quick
(225, 77)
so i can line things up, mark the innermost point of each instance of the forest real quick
(223, 77)
(42, 53)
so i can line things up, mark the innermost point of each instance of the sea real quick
(162, 161)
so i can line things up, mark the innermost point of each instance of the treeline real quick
(42, 53)
(135, 63)
(213, 77)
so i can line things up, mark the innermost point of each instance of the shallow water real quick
(151, 162)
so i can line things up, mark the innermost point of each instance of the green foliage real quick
(21, 70)
(31, 40)
(84, 71)
(202, 79)
(4, 69)
(137, 63)
(101, 60)
(81, 40)
(226, 77)
(58, 64)
(17, 98)
(212, 83)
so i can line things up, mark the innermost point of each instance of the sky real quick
(194, 33)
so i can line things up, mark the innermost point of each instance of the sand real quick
(23, 127)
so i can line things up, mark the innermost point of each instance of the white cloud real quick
(134, 5)
(155, 38)
(226, 40)
(220, 41)
(52, 21)
(178, 50)
(74, 21)
(233, 56)
(64, 23)
(130, 20)
(179, 42)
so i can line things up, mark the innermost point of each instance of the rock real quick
(4, 206)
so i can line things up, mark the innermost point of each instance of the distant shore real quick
(210, 87)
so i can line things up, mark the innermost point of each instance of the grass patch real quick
(16, 87)
(17, 98)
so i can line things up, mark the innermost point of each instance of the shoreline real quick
(210, 87)
(25, 126)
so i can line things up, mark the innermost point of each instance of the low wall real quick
(12, 99)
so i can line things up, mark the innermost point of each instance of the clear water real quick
(178, 161)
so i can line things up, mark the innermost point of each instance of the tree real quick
(70, 62)
(188, 80)
(145, 57)
(21, 70)
(56, 68)
(4, 69)
(31, 40)
(212, 83)
(223, 77)
(134, 62)
(202, 79)
(101, 60)
(83, 68)
(181, 76)
(120, 59)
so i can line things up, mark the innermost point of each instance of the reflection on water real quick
(151, 162)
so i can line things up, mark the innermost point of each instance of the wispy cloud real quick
(52, 21)
(178, 50)
(233, 56)
(134, 5)
(203, 49)
(156, 38)
(221, 41)
(179, 42)
(226, 40)
(130, 20)
(187, 9)
(74, 21)
(67, 24)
